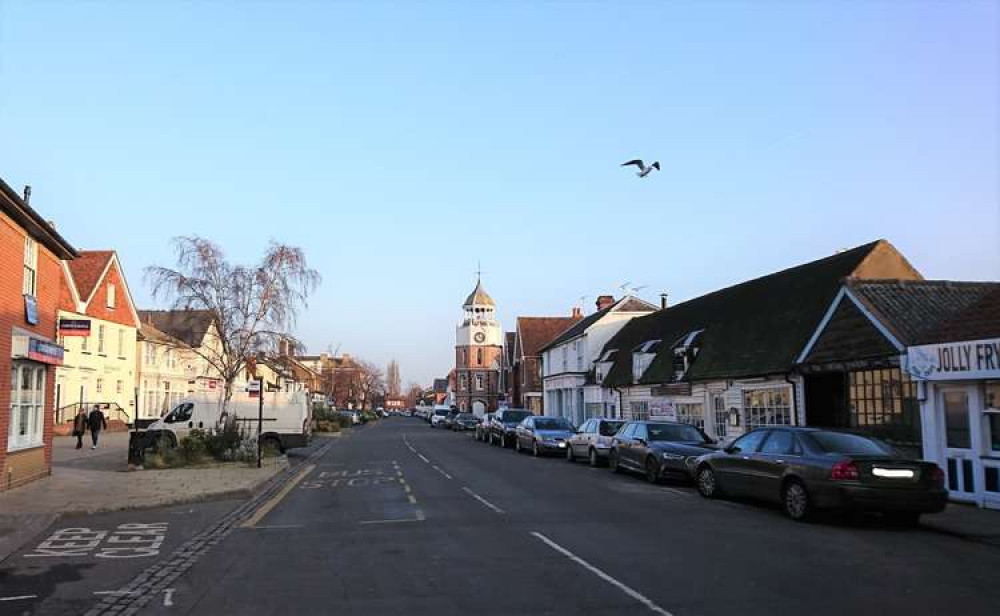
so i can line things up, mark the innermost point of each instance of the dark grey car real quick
(504, 423)
(543, 435)
(805, 469)
(593, 440)
(658, 449)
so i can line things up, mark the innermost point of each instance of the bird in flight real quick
(643, 169)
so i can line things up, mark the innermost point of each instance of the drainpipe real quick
(621, 410)
(795, 399)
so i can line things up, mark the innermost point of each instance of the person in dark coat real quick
(80, 426)
(96, 422)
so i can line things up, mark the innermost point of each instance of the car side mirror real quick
(641, 441)
(732, 449)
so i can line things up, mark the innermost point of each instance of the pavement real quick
(86, 481)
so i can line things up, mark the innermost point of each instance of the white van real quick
(287, 418)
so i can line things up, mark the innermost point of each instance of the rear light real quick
(844, 470)
(937, 475)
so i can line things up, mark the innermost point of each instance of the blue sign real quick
(45, 351)
(31, 309)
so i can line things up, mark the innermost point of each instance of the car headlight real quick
(672, 456)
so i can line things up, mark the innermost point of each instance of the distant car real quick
(503, 425)
(807, 469)
(593, 440)
(464, 421)
(543, 435)
(659, 449)
(354, 416)
(483, 428)
(440, 417)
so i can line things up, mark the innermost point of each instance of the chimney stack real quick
(603, 301)
(663, 301)
(577, 313)
(27, 193)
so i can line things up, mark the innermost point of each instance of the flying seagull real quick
(643, 169)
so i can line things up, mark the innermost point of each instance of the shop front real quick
(959, 392)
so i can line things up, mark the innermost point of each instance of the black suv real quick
(504, 423)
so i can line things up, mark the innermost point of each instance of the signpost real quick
(260, 417)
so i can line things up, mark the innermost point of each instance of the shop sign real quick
(74, 327)
(31, 310)
(253, 388)
(45, 352)
(972, 359)
(662, 409)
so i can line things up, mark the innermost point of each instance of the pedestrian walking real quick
(96, 422)
(80, 426)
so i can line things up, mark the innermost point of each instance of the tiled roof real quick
(150, 333)
(625, 304)
(87, 269)
(536, 332)
(188, 326)
(753, 328)
(928, 311)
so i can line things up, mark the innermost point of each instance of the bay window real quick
(27, 405)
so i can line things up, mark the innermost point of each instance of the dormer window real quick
(685, 351)
(642, 357)
(111, 295)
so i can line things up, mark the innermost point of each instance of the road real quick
(397, 518)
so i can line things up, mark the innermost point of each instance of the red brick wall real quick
(49, 281)
(98, 308)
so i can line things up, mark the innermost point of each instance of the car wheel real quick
(613, 462)
(903, 518)
(569, 453)
(592, 457)
(534, 449)
(652, 470)
(708, 485)
(795, 501)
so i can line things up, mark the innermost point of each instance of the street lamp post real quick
(260, 419)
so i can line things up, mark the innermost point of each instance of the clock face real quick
(479, 337)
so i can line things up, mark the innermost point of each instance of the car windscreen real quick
(515, 416)
(610, 428)
(552, 423)
(442, 412)
(674, 432)
(840, 442)
(465, 416)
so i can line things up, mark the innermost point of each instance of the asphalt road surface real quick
(397, 518)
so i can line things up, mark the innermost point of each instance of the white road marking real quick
(442, 471)
(676, 491)
(276, 526)
(122, 593)
(604, 576)
(168, 597)
(421, 456)
(18, 598)
(483, 500)
(419, 518)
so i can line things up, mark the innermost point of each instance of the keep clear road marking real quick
(168, 597)
(483, 500)
(631, 592)
(271, 504)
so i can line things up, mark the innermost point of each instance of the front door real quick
(959, 452)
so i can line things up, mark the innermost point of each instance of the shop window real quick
(767, 406)
(691, 413)
(638, 410)
(883, 403)
(30, 267)
(27, 405)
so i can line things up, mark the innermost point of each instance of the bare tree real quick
(413, 394)
(393, 382)
(371, 382)
(253, 307)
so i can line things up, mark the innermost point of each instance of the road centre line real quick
(442, 471)
(271, 504)
(124, 593)
(419, 518)
(604, 576)
(19, 598)
(421, 456)
(482, 500)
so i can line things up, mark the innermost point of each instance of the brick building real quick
(532, 334)
(30, 281)
(478, 354)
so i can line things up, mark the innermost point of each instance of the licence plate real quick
(893, 473)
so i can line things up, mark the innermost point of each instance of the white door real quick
(959, 452)
(478, 408)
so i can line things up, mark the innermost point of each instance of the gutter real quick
(621, 409)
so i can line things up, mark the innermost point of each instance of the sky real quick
(399, 144)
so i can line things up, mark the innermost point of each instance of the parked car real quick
(354, 416)
(503, 425)
(449, 419)
(543, 435)
(808, 469)
(659, 449)
(593, 440)
(483, 428)
(464, 421)
(439, 417)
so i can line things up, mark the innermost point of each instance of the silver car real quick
(543, 435)
(593, 440)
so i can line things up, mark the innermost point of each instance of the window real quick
(640, 431)
(884, 403)
(609, 428)
(638, 410)
(588, 426)
(779, 443)
(30, 266)
(721, 415)
(171, 361)
(121, 343)
(579, 354)
(150, 354)
(565, 357)
(840, 442)
(85, 344)
(479, 382)
(692, 413)
(111, 295)
(119, 387)
(768, 407)
(479, 357)
(594, 409)
(27, 405)
(100, 386)
(463, 382)
(675, 433)
(100, 339)
(180, 413)
(748, 443)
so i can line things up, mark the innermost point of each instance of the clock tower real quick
(478, 352)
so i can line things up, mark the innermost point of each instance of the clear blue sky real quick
(400, 143)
